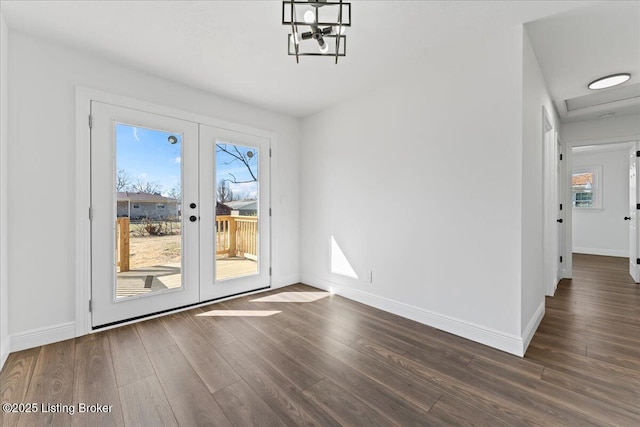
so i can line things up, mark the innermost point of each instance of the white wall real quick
(535, 96)
(4, 116)
(604, 232)
(420, 181)
(43, 77)
(595, 131)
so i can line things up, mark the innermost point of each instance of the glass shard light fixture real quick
(317, 27)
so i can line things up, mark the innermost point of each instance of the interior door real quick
(634, 268)
(234, 212)
(144, 250)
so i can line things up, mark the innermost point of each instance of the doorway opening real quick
(159, 238)
(603, 186)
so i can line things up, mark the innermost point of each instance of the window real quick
(586, 188)
(160, 206)
(136, 206)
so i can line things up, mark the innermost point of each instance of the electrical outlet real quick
(369, 276)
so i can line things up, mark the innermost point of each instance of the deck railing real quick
(237, 236)
(122, 244)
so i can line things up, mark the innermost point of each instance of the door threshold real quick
(161, 313)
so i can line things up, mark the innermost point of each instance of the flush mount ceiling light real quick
(609, 81)
(322, 21)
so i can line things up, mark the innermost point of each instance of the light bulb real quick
(324, 46)
(309, 17)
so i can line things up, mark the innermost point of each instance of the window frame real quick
(596, 188)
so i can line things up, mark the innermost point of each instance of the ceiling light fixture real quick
(609, 81)
(327, 28)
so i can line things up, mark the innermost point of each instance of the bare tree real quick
(123, 180)
(141, 186)
(245, 195)
(223, 192)
(175, 193)
(246, 157)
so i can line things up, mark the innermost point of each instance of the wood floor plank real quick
(295, 371)
(14, 381)
(189, 398)
(455, 412)
(95, 383)
(212, 368)
(144, 403)
(130, 359)
(264, 325)
(52, 383)
(406, 386)
(211, 327)
(578, 364)
(154, 335)
(577, 406)
(243, 407)
(345, 406)
(469, 390)
(613, 395)
(282, 396)
(391, 402)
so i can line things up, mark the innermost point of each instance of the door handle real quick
(193, 218)
(627, 218)
(560, 220)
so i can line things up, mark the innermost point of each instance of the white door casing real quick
(561, 205)
(198, 160)
(550, 205)
(634, 268)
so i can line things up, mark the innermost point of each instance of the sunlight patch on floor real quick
(239, 313)
(293, 297)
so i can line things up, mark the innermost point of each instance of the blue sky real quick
(147, 155)
(226, 167)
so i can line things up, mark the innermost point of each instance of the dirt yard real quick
(154, 250)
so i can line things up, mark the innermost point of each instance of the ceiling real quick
(238, 49)
(577, 47)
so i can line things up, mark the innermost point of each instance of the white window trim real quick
(597, 187)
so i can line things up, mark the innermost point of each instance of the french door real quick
(179, 213)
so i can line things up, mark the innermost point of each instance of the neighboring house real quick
(145, 205)
(243, 207)
(222, 209)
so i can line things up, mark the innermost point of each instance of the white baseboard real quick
(5, 349)
(497, 339)
(603, 252)
(281, 282)
(43, 336)
(532, 326)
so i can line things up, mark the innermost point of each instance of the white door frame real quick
(568, 168)
(82, 254)
(551, 251)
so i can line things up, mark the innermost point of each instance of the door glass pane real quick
(237, 246)
(148, 216)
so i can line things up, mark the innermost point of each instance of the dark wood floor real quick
(336, 362)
